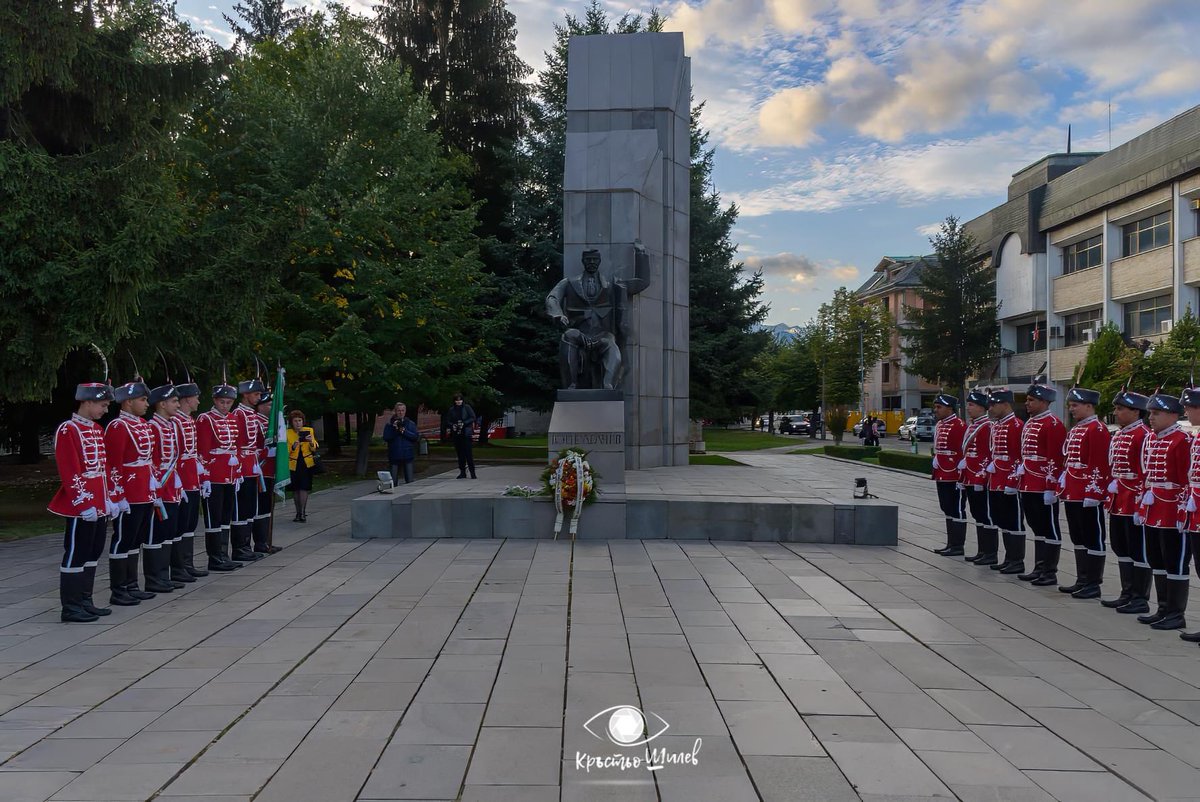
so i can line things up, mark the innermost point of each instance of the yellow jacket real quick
(298, 448)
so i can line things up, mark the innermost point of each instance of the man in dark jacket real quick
(400, 434)
(460, 424)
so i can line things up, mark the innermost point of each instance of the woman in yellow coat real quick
(302, 457)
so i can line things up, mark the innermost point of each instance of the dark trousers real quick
(1005, 511)
(189, 513)
(1169, 552)
(130, 530)
(466, 460)
(218, 509)
(1041, 518)
(1086, 527)
(407, 468)
(162, 532)
(261, 528)
(245, 508)
(83, 543)
(951, 500)
(977, 500)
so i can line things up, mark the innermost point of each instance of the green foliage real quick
(921, 463)
(845, 335)
(954, 334)
(852, 452)
(837, 419)
(264, 20)
(1172, 362)
(1108, 365)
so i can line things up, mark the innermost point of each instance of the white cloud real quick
(929, 229)
(797, 272)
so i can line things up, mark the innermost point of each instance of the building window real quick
(1145, 317)
(891, 402)
(1025, 338)
(1082, 255)
(887, 372)
(1152, 232)
(1075, 325)
(887, 303)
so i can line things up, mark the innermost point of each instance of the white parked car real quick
(918, 427)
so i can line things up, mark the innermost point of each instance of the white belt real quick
(1077, 465)
(92, 474)
(224, 451)
(946, 453)
(1163, 486)
(1036, 459)
(142, 463)
(1125, 476)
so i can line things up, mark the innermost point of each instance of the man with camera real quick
(401, 436)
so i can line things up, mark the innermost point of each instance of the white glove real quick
(1138, 520)
(205, 489)
(1049, 497)
(233, 461)
(257, 469)
(1091, 502)
(200, 469)
(1148, 497)
(178, 481)
(153, 482)
(271, 452)
(111, 509)
(991, 468)
(960, 486)
(124, 505)
(1112, 486)
(962, 464)
(1191, 505)
(1020, 471)
(89, 515)
(1010, 491)
(1062, 480)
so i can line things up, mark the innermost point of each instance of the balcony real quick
(1191, 261)
(1079, 289)
(1142, 273)
(1063, 362)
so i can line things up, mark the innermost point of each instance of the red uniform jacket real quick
(1165, 460)
(977, 452)
(1191, 499)
(1006, 453)
(1041, 453)
(129, 444)
(266, 454)
(79, 453)
(216, 440)
(1128, 473)
(166, 459)
(948, 449)
(1086, 455)
(191, 470)
(249, 439)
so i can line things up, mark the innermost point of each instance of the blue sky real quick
(848, 129)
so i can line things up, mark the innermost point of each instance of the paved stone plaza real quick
(467, 669)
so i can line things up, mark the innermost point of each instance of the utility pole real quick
(862, 377)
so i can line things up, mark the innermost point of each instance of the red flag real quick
(1036, 332)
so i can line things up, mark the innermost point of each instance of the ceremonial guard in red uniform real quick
(947, 457)
(249, 442)
(977, 454)
(164, 525)
(216, 441)
(1191, 505)
(1084, 483)
(1004, 498)
(82, 501)
(266, 497)
(191, 475)
(1041, 460)
(1165, 458)
(1128, 539)
(129, 443)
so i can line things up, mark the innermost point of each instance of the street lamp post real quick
(862, 377)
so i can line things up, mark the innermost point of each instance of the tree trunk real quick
(771, 422)
(333, 434)
(30, 444)
(349, 436)
(366, 426)
(484, 423)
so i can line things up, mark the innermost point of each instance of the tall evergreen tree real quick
(91, 95)
(262, 20)
(1109, 364)
(955, 333)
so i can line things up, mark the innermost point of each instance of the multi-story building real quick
(888, 385)
(1087, 239)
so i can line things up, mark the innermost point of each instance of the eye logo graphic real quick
(625, 726)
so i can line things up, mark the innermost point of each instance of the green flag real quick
(277, 434)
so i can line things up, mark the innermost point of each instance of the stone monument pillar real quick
(627, 178)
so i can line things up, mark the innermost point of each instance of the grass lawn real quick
(711, 459)
(813, 450)
(521, 442)
(23, 511)
(716, 439)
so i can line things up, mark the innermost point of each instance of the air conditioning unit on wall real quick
(1165, 326)
(1089, 335)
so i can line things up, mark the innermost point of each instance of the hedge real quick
(921, 463)
(852, 452)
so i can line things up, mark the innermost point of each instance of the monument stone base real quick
(592, 421)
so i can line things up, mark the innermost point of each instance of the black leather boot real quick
(216, 556)
(189, 557)
(949, 539)
(1162, 598)
(1080, 573)
(1016, 563)
(957, 531)
(131, 578)
(70, 593)
(1094, 563)
(1178, 596)
(1126, 571)
(1051, 552)
(158, 578)
(1008, 552)
(119, 597)
(1139, 592)
(88, 585)
(1039, 562)
(178, 570)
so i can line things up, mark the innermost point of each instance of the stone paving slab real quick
(477, 670)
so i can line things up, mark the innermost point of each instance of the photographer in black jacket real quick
(460, 424)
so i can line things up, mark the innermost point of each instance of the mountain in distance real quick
(783, 333)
